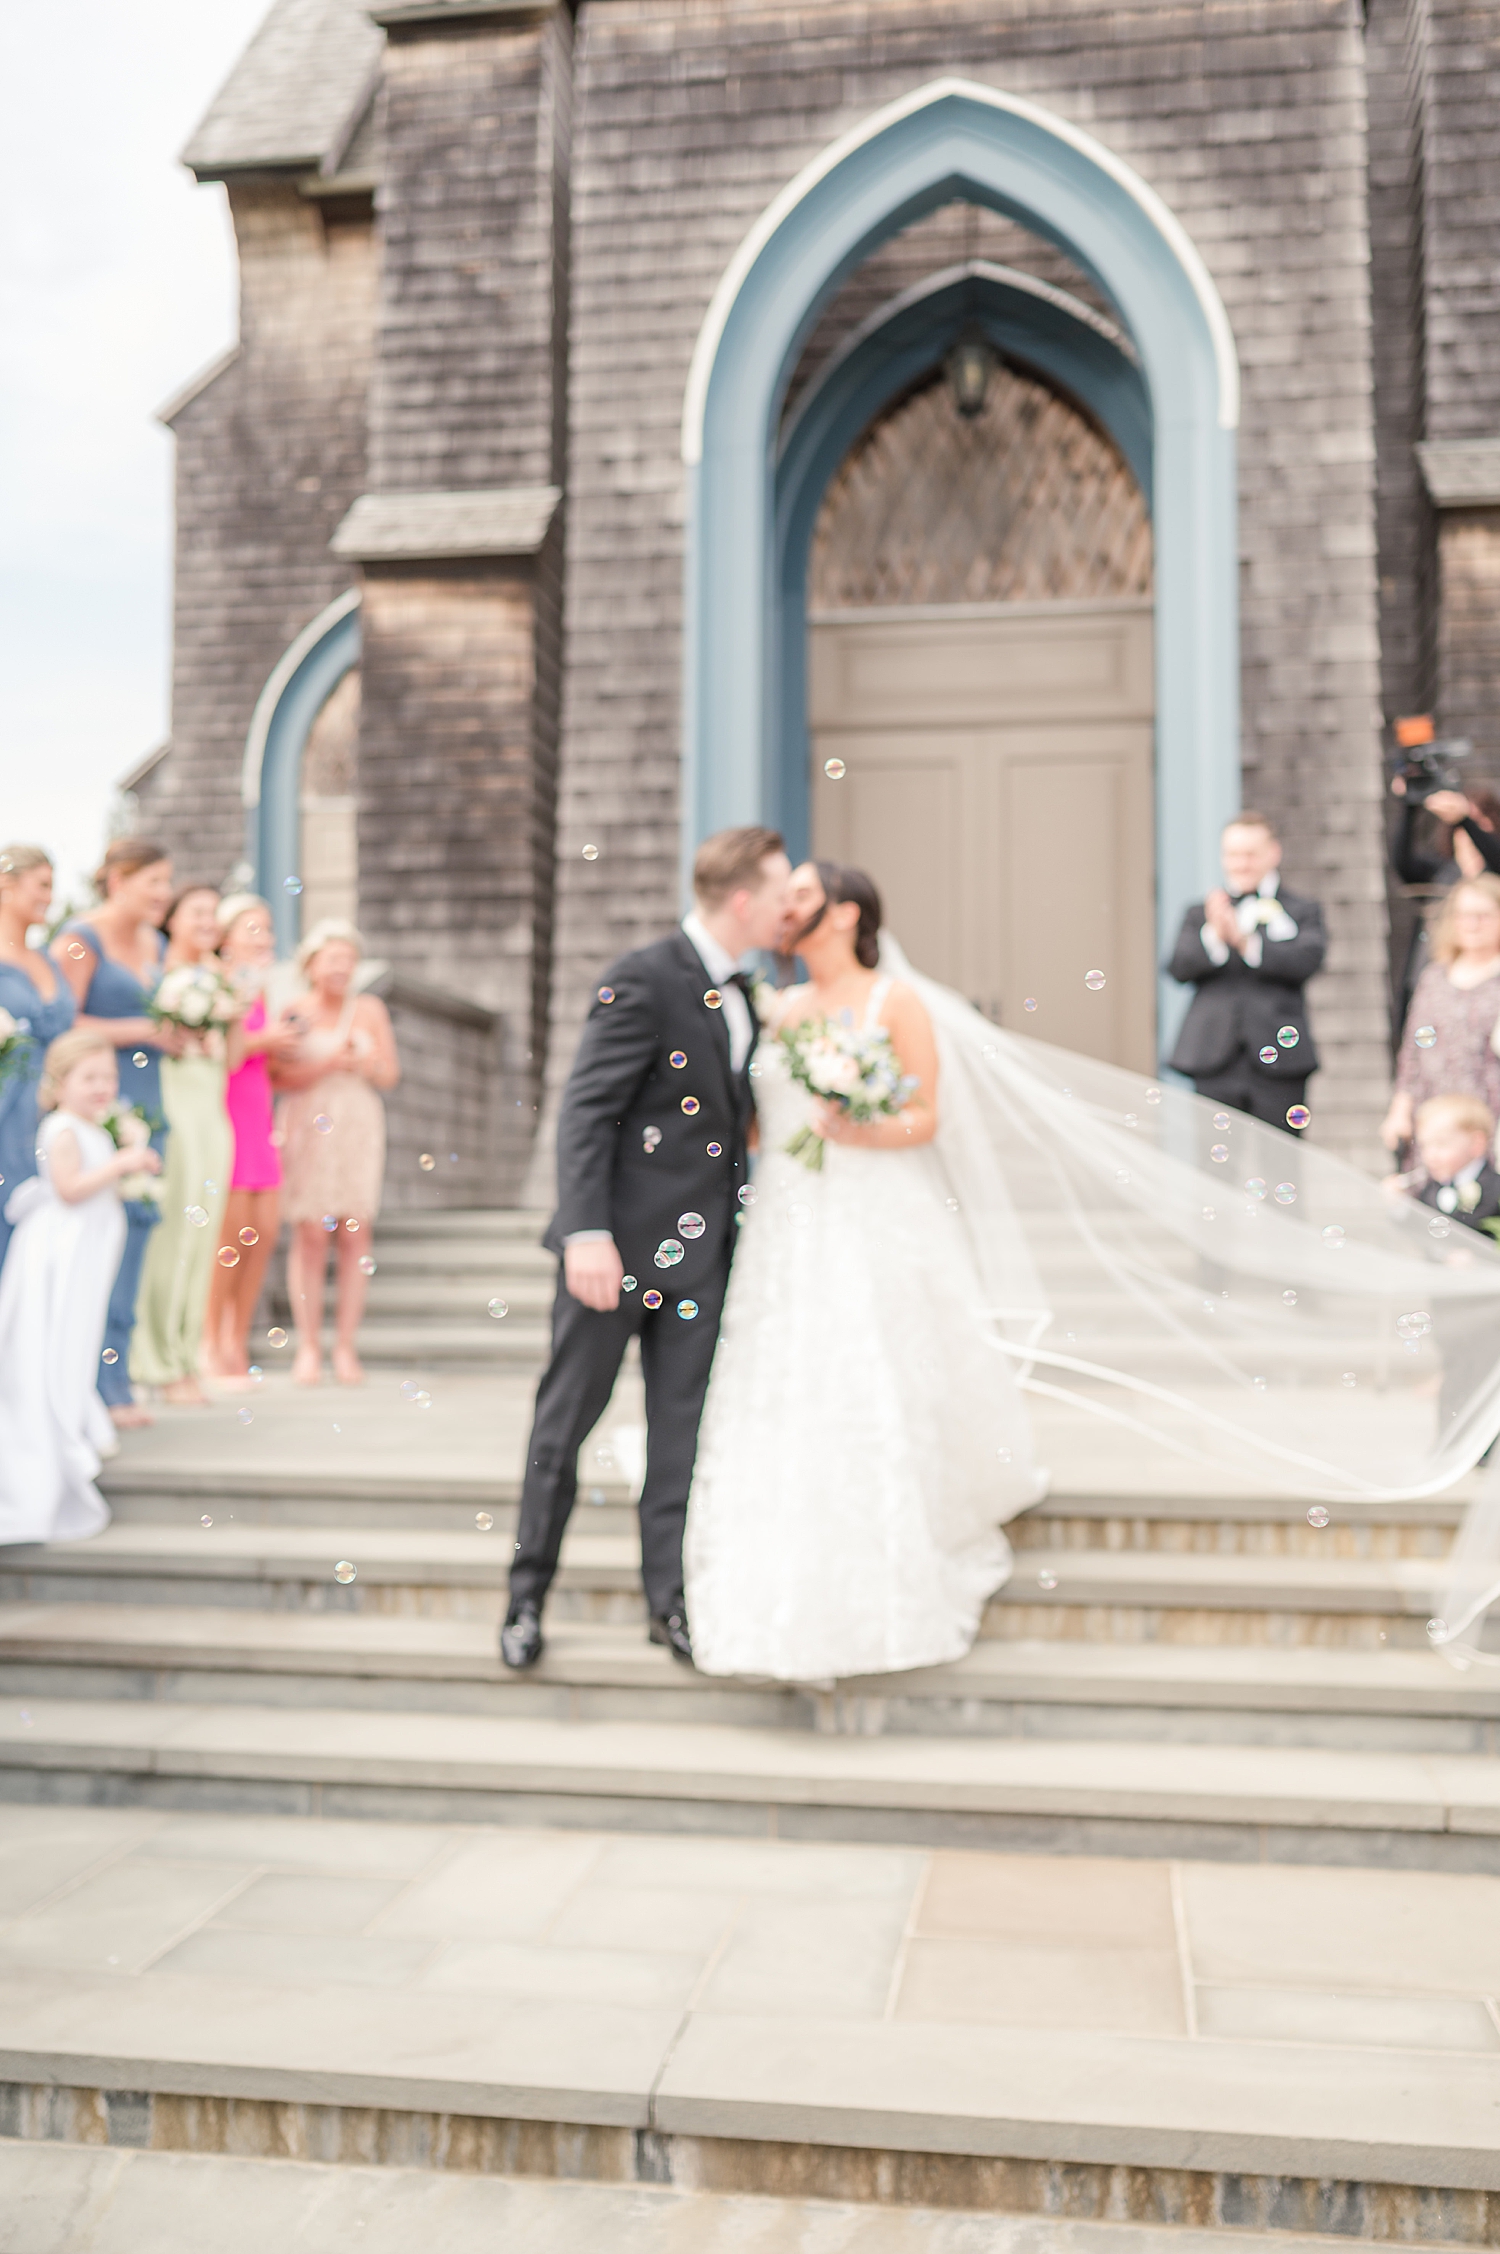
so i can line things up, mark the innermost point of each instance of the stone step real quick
(493, 1224)
(1283, 1803)
(456, 1298)
(463, 1258)
(1235, 1694)
(418, 1343)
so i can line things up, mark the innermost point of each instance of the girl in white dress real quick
(54, 1292)
(863, 1436)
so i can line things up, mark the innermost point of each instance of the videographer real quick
(1428, 782)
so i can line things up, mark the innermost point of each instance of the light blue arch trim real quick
(956, 139)
(300, 684)
(1044, 329)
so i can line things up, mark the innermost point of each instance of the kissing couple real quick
(833, 1441)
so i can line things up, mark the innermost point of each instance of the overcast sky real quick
(116, 285)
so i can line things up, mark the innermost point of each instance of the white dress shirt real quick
(719, 964)
(1250, 915)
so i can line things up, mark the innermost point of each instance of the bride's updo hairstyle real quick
(840, 885)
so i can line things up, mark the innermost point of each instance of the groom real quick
(650, 1159)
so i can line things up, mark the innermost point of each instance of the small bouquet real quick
(860, 1071)
(128, 1128)
(196, 997)
(15, 1039)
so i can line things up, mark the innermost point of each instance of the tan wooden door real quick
(998, 786)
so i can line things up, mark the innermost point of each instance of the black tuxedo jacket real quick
(643, 1140)
(1237, 1008)
(1488, 1208)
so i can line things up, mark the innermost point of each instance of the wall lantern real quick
(968, 369)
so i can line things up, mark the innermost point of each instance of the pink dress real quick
(248, 1098)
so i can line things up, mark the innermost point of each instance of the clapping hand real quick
(1219, 915)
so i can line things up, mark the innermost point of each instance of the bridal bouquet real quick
(859, 1071)
(196, 997)
(15, 1039)
(128, 1128)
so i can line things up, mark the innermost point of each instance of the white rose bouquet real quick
(15, 1039)
(196, 997)
(859, 1071)
(128, 1128)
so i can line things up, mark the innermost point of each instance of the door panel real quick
(999, 787)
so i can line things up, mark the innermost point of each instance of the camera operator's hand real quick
(1449, 806)
(1398, 786)
(1219, 915)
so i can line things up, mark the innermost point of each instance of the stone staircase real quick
(437, 1277)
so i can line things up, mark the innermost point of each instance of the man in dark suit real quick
(1249, 949)
(651, 1145)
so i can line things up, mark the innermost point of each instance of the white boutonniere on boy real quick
(128, 1128)
(857, 1070)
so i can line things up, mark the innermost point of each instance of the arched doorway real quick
(980, 677)
(300, 698)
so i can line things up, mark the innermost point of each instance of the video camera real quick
(1426, 762)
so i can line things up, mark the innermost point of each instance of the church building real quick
(989, 440)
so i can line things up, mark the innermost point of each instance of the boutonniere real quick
(762, 997)
(1468, 1195)
(1267, 911)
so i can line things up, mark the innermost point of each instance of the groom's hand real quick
(592, 1273)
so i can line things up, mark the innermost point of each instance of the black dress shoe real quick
(521, 1638)
(673, 1632)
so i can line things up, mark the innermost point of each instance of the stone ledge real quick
(1462, 473)
(442, 527)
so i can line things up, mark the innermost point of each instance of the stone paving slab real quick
(74, 2199)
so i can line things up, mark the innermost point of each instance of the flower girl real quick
(54, 1290)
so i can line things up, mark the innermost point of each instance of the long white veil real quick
(1205, 1287)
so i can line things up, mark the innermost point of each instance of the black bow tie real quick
(741, 979)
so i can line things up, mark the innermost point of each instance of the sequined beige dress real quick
(332, 1138)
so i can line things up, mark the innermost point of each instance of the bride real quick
(863, 1438)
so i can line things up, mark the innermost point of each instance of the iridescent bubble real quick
(249, 1236)
(293, 885)
(691, 1225)
(427, 1162)
(1349, 1379)
(352, 1227)
(1093, 980)
(1425, 1036)
(323, 1123)
(1289, 1299)
(243, 1415)
(205, 1520)
(835, 770)
(1438, 1631)
(691, 1106)
(1287, 1036)
(366, 1264)
(409, 1389)
(75, 952)
(1256, 1186)
(1285, 1193)
(1004, 1455)
(228, 1256)
(1209, 1212)
(256, 1375)
(499, 1308)
(1219, 1153)
(715, 1150)
(1298, 1116)
(1440, 1226)
(627, 1283)
(1259, 1384)
(686, 1310)
(606, 993)
(713, 999)
(591, 853)
(483, 1521)
(344, 1571)
(668, 1253)
(1268, 1055)
(139, 1060)
(109, 1355)
(1317, 1516)
(678, 1059)
(746, 1195)
(1333, 1237)
(1131, 1120)
(276, 1337)
(330, 1223)
(1028, 1004)
(650, 1137)
(1046, 1579)
(1415, 1325)
(651, 1299)
(196, 1216)
(421, 1400)
(1153, 1095)
(1223, 1122)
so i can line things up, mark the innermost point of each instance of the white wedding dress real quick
(863, 1437)
(54, 1291)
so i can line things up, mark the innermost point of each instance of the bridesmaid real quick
(180, 1255)
(36, 998)
(247, 949)
(333, 1141)
(112, 962)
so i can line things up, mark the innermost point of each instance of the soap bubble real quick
(243, 1415)
(427, 1162)
(713, 999)
(1349, 1379)
(835, 770)
(1209, 1212)
(1223, 1122)
(330, 1223)
(591, 853)
(1046, 1579)
(409, 1389)
(421, 1399)
(1219, 1153)
(1004, 1455)
(1333, 1237)
(650, 1137)
(483, 1521)
(139, 1060)
(109, 1355)
(1298, 1116)
(344, 1571)
(76, 953)
(715, 1150)
(293, 885)
(606, 993)
(651, 1299)
(1289, 1299)
(1268, 1055)
(746, 1195)
(196, 1216)
(352, 1227)
(677, 1059)
(1426, 1036)
(1317, 1516)
(323, 1123)
(1438, 1631)
(249, 1236)
(1153, 1095)
(276, 1337)
(686, 1309)
(1413, 1326)
(205, 1520)
(228, 1256)
(1028, 1004)
(668, 1253)
(366, 1264)
(691, 1106)
(256, 1375)
(499, 1308)
(627, 1283)
(691, 1225)
(1256, 1186)
(1093, 980)
(1287, 1036)
(1285, 1193)
(1440, 1226)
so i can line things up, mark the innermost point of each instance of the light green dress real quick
(180, 1256)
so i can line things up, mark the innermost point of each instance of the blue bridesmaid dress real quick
(43, 1021)
(115, 991)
